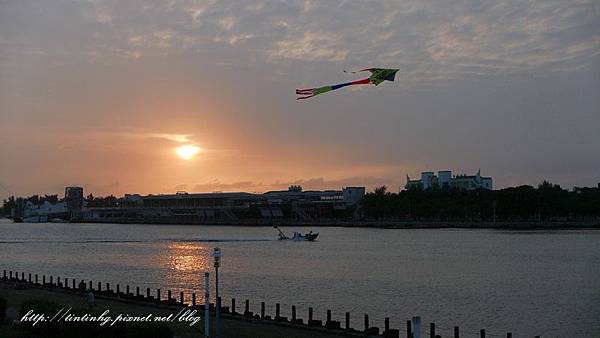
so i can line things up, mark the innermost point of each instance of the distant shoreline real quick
(388, 224)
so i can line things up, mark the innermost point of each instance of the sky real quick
(101, 93)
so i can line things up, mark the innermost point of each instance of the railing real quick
(414, 328)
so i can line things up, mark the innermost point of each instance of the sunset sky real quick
(101, 93)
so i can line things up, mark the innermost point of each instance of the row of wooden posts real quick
(413, 326)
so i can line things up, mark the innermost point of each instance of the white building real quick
(42, 213)
(444, 179)
(348, 195)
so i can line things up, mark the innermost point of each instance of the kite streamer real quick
(378, 75)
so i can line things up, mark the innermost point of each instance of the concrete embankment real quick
(385, 224)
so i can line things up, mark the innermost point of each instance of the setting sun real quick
(187, 152)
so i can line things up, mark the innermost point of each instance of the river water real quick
(529, 282)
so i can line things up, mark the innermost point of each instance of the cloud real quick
(227, 22)
(179, 138)
(311, 46)
(140, 134)
(216, 185)
(318, 183)
(322, 183)
(96, 188)
(428, 40)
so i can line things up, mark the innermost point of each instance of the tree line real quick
(91, 201)
(546, 202)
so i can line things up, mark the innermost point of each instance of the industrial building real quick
(183, 207)
(444, 179)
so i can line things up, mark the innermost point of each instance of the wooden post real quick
(293, 313)
(262, 310)
(148, 293)
(169, 295)
(99, 286)
(127, 289)
(4, 274)
(408, 329)
(432, 330)
(328, 316)
(277, 308)
(73, 280)
(118, 289)
(29, 277)
(137, 291)
(206, 304)
(387, 324)
(66, 283)
(90, 286)
(36, 278)
(158, 294)
(181, 297)
(22, 276)
(456, 332)
(347, 320)
(508, 334)
(193, 299)
(366, 322)
(43, 279)
(482, 333)
(233, 305)
(310, 314)
(247, 306)
(51, 282)
(10, 274)
(108, 287)
(417, 327)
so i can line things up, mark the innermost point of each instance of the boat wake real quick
(177, 240)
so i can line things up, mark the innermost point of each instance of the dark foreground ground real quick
(231, 327)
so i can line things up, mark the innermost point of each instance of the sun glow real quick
(187, 152)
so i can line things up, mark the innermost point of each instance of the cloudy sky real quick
(101, 93)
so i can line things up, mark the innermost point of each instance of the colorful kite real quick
(378, 75)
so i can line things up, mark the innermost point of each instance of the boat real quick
(297, 236)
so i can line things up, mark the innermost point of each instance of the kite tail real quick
(308, 93)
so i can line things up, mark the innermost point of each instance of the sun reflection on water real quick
(185, 266)
(188, 257)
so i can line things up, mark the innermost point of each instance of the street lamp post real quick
(217, 256)
(206, 304)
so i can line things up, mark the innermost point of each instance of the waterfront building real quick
(74, 198)
(183, 207)
(346, 196)
(216, 200)
(444, 179)
(34, 213)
